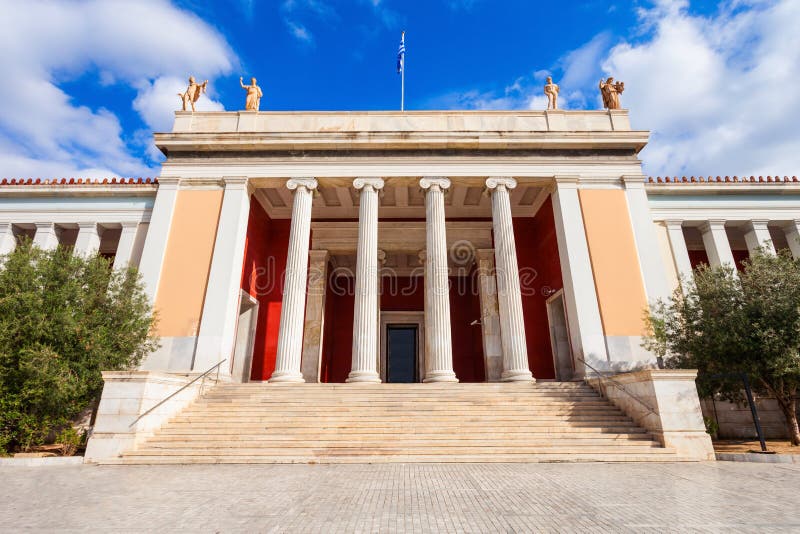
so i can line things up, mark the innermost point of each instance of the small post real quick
(754, 411)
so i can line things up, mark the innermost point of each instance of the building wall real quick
(735, 420)
(184, 277)
(337, 337)
(617, 272)
(266, 247)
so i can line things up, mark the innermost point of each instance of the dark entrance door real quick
(401, 354)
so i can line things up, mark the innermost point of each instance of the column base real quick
(287, 377)
(519, 375)
(440, 376)
(369, 377)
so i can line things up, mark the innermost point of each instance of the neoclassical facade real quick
(404, 247)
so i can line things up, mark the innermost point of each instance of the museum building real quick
(404, 247)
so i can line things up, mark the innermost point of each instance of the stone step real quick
(356, 423)
(448, 430)
(410, 407)
(421, 419)
(354, 450)
(385, 442)
(610, 457)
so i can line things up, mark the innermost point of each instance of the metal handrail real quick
(195, 379)
(619, 386)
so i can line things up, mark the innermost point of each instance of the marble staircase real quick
(351, 423)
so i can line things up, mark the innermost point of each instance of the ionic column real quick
(315, 315)
(290, 341)
(793, 237)
(512, 325)
(680, 254)
(46, 237)
(757, 236)
(365, 316)
(88, 240)
(715, 240)
(127, 240)
(7, 240)
(490, 316)
(438, 340)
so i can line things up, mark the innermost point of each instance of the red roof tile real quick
(718, 179)
(78, 181)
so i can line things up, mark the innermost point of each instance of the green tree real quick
(745, 323)
(63, 320)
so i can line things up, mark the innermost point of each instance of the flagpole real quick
(403, 78)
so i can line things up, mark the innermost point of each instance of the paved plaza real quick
(719, 496)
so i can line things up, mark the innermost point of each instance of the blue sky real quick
(87, 82)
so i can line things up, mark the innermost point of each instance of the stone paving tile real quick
(706, 497)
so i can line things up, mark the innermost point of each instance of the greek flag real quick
(401, 54)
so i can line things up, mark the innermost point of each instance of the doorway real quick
(402, 346)
(559, 337)
(401, 354)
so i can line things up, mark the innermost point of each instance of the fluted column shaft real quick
(512, 324)
(364, 367)
(290, 334)
(438, 337)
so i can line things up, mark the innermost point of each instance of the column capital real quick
(566, 182)
(431, 182)
(87, 224)
(235, 182)
(44, 225)
(713, 224)
(129, 224)
(634, 181)
(673, 223)
(305, 183)
(758, 223)
(493, 182)
(318, 255)
(168, 182)
(485, 254)
(368, 182)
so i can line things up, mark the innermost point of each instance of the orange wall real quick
(184, 275)
(615, 262)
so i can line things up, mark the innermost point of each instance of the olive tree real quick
(63, 319)
(727, 323)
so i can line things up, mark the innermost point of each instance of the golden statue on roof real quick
(254, 94)
(610, 92)
(192, 93)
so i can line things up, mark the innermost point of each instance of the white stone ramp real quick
(371, 423)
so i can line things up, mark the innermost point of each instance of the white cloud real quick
(719, 93)
(145, 44)
(299, 32)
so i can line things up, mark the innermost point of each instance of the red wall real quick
(401, 294)
(540, 268)
(465, 307)
(337, 338)
(697, 257)
(262, 277)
